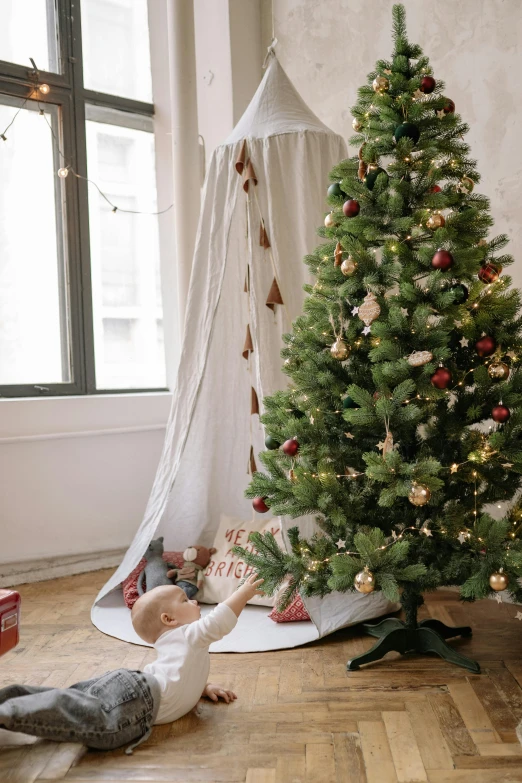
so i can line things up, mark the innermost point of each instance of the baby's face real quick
(179, 606)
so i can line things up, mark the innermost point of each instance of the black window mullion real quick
(68, 92)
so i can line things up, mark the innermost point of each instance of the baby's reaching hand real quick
(214, 692)
(250, 587)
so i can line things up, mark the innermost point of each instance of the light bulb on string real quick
(63, 172)
(44, 89)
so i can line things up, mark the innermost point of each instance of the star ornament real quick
(349, 435)
(355, 310)
(418, 95)
(441, 114)
(341, 544)
(367, 330)
(462, 537)
(404, 312)
(387, 71)
(427, 532)
(454, 468)
(464, 342)
(498, 598)
(507, 465)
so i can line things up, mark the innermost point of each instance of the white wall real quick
(474, 46)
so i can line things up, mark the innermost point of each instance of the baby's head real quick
(162, 609)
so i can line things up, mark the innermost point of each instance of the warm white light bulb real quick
(44, 89)
(63, 172)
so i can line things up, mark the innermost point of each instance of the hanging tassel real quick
(249, 345)
(251, 467)
(249, 175)
(241, 158)
(274, 296)
(263, 236)
(338, 254)
(254, 402)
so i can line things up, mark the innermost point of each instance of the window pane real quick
(28, 29)
(116, 54)
(33, 324)
(127, 309)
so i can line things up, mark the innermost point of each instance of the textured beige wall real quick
(474, 46)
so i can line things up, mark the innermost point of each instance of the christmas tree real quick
(402, 425)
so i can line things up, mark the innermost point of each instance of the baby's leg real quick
(12, 691)
(104, 713)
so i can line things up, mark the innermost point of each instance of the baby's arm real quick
(244, 593)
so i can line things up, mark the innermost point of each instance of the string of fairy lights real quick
(39, 89)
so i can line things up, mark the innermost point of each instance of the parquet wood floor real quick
(300, 716)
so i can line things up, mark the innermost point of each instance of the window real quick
(80, 291)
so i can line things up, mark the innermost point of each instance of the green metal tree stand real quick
(426, 636)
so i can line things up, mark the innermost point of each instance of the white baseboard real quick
(13, 574)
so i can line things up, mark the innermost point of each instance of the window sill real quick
(35, 418)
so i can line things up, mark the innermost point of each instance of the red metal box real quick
(9, 620)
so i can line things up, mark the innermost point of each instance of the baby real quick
(121, 707)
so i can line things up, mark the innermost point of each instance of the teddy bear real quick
(190, 577)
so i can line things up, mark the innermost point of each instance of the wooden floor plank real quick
(404, 749)
(376, 753)
(432, 745)
(320, 762)
(473, 713)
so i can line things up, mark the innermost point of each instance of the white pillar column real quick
(185, 151)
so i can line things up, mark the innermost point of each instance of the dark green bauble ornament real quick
(407, 131)
(349, 403)
(461, 293)
(335, 190)
(297, 413)
(371, 176)
(271, 443)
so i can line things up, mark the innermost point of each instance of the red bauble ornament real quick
(259, 505)
(351, 208)
(436, 189)
(489, 273)
(291, 447)
(449, 107)
(442, 260)
(441, 378)
(485, 346)
(427, 84)
(500, 414)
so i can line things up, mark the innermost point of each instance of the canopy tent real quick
(263, 198)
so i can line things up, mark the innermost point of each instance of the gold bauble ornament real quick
(498, 581)
(340, 350)
(419, 494)
(498, 371)
(381, 84)
(364, 581)
(356, 125)
(329, 220)
(435, 221)
(419, 358)
(369, 310)
(348, 266)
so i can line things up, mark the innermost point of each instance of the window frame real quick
(69, 94)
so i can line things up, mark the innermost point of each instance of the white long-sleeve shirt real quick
(183, 661)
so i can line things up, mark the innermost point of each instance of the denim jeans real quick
(118, 708)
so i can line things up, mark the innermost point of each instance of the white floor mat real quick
(254, 631)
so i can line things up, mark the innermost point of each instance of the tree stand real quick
(426, 636)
